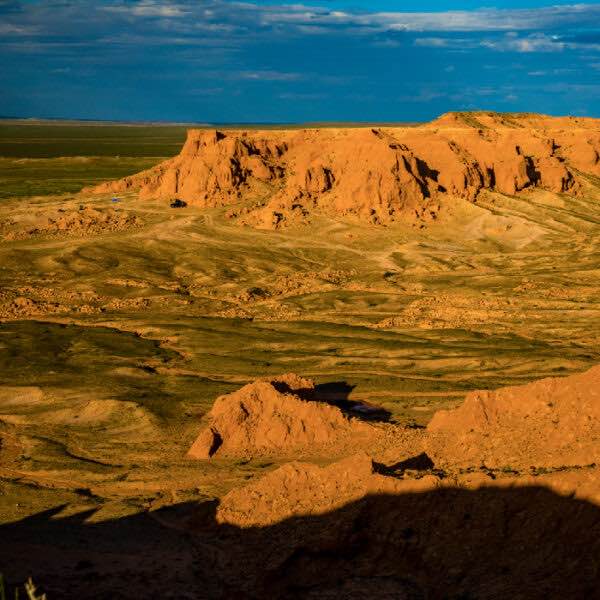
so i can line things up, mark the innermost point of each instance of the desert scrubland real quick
(355, 362)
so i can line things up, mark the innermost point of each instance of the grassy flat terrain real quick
(56, 158)
(24, 177)
(53, 140)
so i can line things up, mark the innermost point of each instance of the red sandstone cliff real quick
(380, 175)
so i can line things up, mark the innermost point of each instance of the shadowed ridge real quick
(450, 543)
(338, 393)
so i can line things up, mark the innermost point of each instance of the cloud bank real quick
(223, 60)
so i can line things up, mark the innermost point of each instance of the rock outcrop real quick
(549, 423)
(273, 178)
(300, 489)
(553, 422)
(361, 529)
(274, 416)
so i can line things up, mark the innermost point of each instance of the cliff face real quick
(380, 175)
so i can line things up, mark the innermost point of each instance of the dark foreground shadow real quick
(492, 543)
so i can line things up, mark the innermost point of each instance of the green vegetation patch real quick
(52, 141)
(51, 159)
(55, 176)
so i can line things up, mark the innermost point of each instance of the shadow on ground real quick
(337, 393)
(422, 462)
(452, 543)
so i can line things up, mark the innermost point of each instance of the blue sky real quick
(311, 60)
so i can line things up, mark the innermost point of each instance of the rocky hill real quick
(277, 177)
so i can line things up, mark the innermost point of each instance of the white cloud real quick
(233, 25)
(314, 19)
(206, 92)
(545, 72)
(422, 96)
(532, 43)
(303, 96)
(150, 8)
(16, 30)
(228, 19)
(535, 42)
(267, 76)
(435, 42)
(490, 19)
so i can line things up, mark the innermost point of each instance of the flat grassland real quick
(123, 321)
(38, 159)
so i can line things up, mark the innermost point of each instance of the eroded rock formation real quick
(553, 422)
(273, 178)
(274, 416)
(300, 489)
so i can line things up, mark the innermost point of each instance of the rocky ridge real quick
(275, 178)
